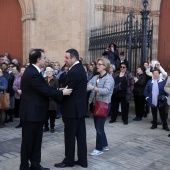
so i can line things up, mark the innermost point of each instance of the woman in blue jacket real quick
(157, 98)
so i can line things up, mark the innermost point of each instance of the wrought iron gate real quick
(131, 36)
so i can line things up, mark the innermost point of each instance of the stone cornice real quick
(28, 17)
(122, 9)
(155, 13)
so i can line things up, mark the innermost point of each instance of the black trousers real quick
(75, 129)
(163, 115)
(16, 109)
(139, 105)
(51, 116)
(31, 144)
(115, 106)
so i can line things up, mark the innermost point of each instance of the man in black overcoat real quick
(33, 110)
(74, 110)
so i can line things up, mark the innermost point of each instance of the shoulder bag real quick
(100, 108)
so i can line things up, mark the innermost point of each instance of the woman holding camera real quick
(112, 54)
(157, 98)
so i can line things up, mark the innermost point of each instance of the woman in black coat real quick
(139, 98)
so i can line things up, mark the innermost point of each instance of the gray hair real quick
(48, 69)
(113, 66)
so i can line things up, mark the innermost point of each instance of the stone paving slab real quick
(132, 147)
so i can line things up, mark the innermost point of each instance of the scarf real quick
(155, 93)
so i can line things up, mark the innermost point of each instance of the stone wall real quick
(57, 25)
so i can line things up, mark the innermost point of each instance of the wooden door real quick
(164, 34)
(11, 29)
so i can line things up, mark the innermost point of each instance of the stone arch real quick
(28, 14)
(28, 9)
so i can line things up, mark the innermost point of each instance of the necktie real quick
(155, 93)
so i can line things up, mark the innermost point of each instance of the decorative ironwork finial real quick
(145, 3)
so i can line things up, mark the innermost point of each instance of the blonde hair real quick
(105, 62)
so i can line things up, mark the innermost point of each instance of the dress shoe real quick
(39, 168)
(62, 165)
(52, 130)
(112, 121)
(58, 117)
(125, 122)
(45, 129)
(78, 163)
(145, 115)
(10, 119)
(153, 126)
(138, 119)
(166, 128)
(135, 119)
(18, 126)
(159, 123)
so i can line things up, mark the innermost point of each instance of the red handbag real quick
(100, 109)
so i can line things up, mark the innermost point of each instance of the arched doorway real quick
(164, 34)
(11, 29)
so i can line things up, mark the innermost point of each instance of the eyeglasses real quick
(99, 64)
(122, 67)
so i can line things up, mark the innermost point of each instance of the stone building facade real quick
(106, 11)
(56, 25)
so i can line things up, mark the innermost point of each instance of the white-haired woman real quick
(112, 69)
(53, 82)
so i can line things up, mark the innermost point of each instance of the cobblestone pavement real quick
(132, 147)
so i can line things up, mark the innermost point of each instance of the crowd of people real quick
(107, 80)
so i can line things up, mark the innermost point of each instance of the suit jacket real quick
(167, 89)
(35, 96)
(74, 106)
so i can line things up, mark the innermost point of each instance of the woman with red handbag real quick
(101, 87)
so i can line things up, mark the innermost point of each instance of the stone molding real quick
(28, 14)
(122, 9)
(28, 17)
(28, 9)
(155, 13)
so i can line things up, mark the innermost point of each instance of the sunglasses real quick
(100, 64)
(122, 67)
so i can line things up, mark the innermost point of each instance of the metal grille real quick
(132, 36)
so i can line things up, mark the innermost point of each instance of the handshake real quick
(66, 91)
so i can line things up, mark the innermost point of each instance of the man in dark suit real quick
(74, 110)
(33, 110)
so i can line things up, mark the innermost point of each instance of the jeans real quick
(58, 113)
(101, 140)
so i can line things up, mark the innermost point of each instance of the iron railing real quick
(132, 36)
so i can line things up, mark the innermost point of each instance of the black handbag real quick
(161, 97)
(117, 87)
